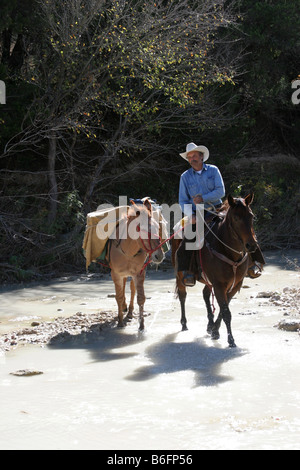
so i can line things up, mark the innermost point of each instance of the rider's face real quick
(195, 159)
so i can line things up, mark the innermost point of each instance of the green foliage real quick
(274, 181)
(269, 31)
(120, 88)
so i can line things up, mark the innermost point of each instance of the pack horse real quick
(127, 257)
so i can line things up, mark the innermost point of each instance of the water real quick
(164, 389)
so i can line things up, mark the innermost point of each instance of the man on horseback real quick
(201, 184)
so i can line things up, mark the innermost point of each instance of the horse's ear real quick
(231, 201)
(147, 203)
(135, 207)
(249, 199)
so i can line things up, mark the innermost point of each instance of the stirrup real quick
(254, 271)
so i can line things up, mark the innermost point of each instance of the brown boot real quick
(188, 279)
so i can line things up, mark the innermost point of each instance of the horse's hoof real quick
(121, 324)
(215, 335)
(209, 330)
(231, 341)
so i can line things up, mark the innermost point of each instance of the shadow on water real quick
(165, 356)
(168, 357)
(102, 343)
(111, 347)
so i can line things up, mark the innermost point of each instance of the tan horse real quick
(137, 238)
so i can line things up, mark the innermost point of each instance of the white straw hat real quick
(195, 148)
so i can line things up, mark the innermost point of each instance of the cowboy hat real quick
(195, 148)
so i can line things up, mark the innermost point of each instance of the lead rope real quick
(210, 286)
(151, 251)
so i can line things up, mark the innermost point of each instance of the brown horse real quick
(223, 260)
(137, 238)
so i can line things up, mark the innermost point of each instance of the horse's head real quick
(147, 229)
(240, 217)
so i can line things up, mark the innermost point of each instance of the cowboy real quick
(203, 184)
(200, 184)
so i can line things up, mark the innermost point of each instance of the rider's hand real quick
(198, 199)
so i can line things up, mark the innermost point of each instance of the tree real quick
(269, 30)
(112, 86)
(119, 72)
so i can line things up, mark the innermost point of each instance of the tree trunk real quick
(53, 194)
(6, 43)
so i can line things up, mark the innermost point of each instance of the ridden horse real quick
(223, 260)
(137, 238)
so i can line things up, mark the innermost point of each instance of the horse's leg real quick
(181, 290)
(234, 291)
(124, 297)
(119, 288)
(210, 315)
(139, 284)
(180, 287)
(216, 326)
(225, 314)
(132, 295)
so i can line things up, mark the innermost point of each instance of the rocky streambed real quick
(88, 326)
(81, 325)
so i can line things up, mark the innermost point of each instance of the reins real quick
(234, 264)
(221, 241)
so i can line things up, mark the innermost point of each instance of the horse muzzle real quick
(157, 256)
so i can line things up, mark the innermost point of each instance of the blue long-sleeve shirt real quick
(209, 184)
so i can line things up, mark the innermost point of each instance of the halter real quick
(149, 250)
(149, 237)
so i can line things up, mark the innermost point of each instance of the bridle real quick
(149, 250)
